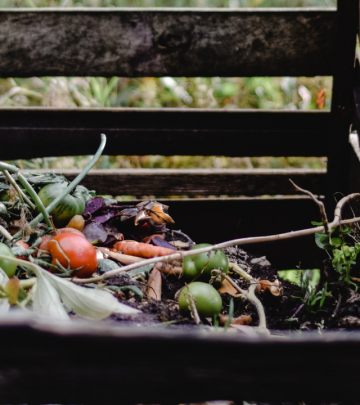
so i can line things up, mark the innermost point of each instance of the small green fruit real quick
(207, 300)
(203, 263)
(8, 266)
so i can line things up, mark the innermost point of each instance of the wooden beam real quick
(60, 363)
(167, 182)
(342, 100)
(167, 42)
(39, 132)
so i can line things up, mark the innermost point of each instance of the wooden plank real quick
(54, 365)
(166, 182)
(36, 132)
(342, 100)
(354, 164)
(167, 42)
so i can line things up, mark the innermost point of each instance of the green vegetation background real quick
(254, 92)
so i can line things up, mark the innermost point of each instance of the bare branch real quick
(324, 219)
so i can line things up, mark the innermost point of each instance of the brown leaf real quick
(168, 268)
(158, 215)
(12, 290)
(274, 287)
(241, 320)
(320, 99)
(154, 285)
(226, 287)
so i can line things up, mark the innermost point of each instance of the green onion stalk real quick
(44, 212)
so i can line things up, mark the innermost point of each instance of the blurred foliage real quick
(256, 92)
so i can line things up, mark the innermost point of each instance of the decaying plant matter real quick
(134, 257)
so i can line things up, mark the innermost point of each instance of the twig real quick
(22, 195)
(298, 310)
(318, 202)
(181, 255)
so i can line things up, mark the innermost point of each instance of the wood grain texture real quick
(165, 182)
(60, 365)
(174, 42)
(35, 132)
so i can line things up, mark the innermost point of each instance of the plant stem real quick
(5, 233)
(70, 187)
(10, 168)
(18, 189)
(35, 197)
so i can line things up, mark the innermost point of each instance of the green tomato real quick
(8, 266)
(207, 300)
(203, 263)
(69, 206)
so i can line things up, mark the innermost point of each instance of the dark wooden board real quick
(167, 42)
(167, 182)
(44, 361)
(36, 132)
(342, 104)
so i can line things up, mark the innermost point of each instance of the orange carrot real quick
(142, 249)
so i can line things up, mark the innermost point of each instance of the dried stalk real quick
(22, 195)
(319, 203)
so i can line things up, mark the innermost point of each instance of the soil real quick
(284, 312)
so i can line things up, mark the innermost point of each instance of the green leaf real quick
(345, 230)
(322, 240)
(336, 241)
(127, 288)
(316, 223)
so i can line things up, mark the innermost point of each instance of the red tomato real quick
(25, 246)
(79, 251)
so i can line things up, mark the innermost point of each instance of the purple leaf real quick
(157, 241)
(93, 205)
(95, 233)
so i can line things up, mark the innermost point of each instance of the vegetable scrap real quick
(67, 252)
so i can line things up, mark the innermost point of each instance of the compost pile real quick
(68, 252)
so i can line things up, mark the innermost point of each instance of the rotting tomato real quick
(71, 205)
(8, 266)
(207, 300)
(204, 263)
(79, 253)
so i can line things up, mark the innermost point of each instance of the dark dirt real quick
(278, 309)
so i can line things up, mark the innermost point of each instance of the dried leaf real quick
(320, 99)
(158, 215)
(241, 320)
(274, 287)
(226, 287)
(154, 285)
(11, 289)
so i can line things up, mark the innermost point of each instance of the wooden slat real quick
(166, 182)
(174, 366)
(39, 132)
(342, 100)
(161, 42)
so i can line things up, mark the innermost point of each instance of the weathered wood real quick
(61, 363)
(35, 132)
(166, 182)
(342, 100)
(161, 42)
(354, 164)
